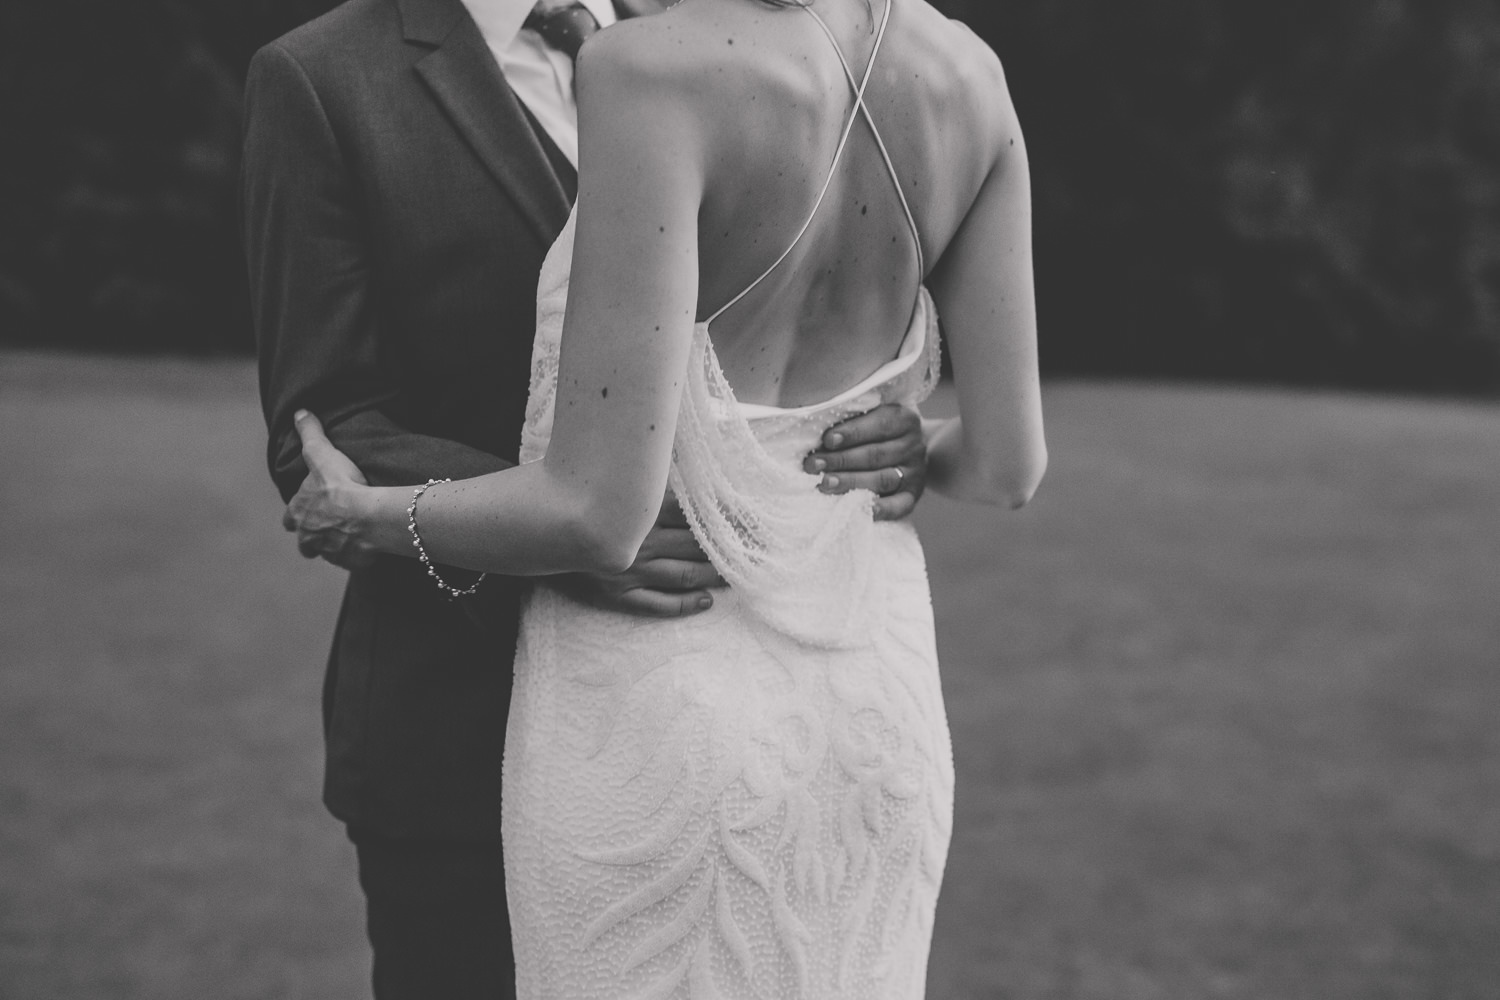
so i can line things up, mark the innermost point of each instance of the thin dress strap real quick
(863, 109)
(854, 116)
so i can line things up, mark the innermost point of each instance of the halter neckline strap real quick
(860, 109)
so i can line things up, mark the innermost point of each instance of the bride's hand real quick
(324, 511)
(883, 451)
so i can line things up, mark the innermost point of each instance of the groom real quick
(407, 165)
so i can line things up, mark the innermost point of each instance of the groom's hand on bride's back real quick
(671, 577)
(883, 451)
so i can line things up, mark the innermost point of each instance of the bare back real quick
(706, 135)
(774, 102)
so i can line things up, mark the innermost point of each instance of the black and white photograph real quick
(750, 500)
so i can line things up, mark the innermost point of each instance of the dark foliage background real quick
(1292, 190)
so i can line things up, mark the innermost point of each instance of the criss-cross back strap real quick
(859, 109)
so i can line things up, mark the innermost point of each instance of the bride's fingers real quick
(316, 448)
(322, 455)
(310, 430)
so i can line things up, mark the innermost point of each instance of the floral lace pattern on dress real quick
(754, 802)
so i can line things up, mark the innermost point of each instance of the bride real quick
(776, 203)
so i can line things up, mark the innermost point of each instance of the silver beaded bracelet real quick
(411, 525)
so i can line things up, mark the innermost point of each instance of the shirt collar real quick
(500, 21)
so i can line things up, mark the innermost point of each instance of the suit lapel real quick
(462, 75)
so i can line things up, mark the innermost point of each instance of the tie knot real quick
(565, 26)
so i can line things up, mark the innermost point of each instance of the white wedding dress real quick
(753, 803)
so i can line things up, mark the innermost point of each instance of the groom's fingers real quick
(882, 483)
(894, 507)
(865, 458)
(886, 437)
(884, 423)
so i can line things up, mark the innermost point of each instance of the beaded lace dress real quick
(753, 803)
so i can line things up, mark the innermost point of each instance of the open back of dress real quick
(754, 802)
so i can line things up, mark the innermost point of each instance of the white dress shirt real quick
(541, 76)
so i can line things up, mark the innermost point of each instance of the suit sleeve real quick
(316, 326)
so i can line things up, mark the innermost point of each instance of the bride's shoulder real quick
(958, 59)
(623, 52)
(694, 53)
(963, 81)
(660, 89)
(635, 80)
(664, 49)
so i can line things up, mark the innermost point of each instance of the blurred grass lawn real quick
(1225, 702)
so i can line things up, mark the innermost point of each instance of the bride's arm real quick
(994, 452)
(631, 308)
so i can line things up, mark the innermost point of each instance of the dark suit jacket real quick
(397, 204)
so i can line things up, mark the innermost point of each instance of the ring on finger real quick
(900, 479)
